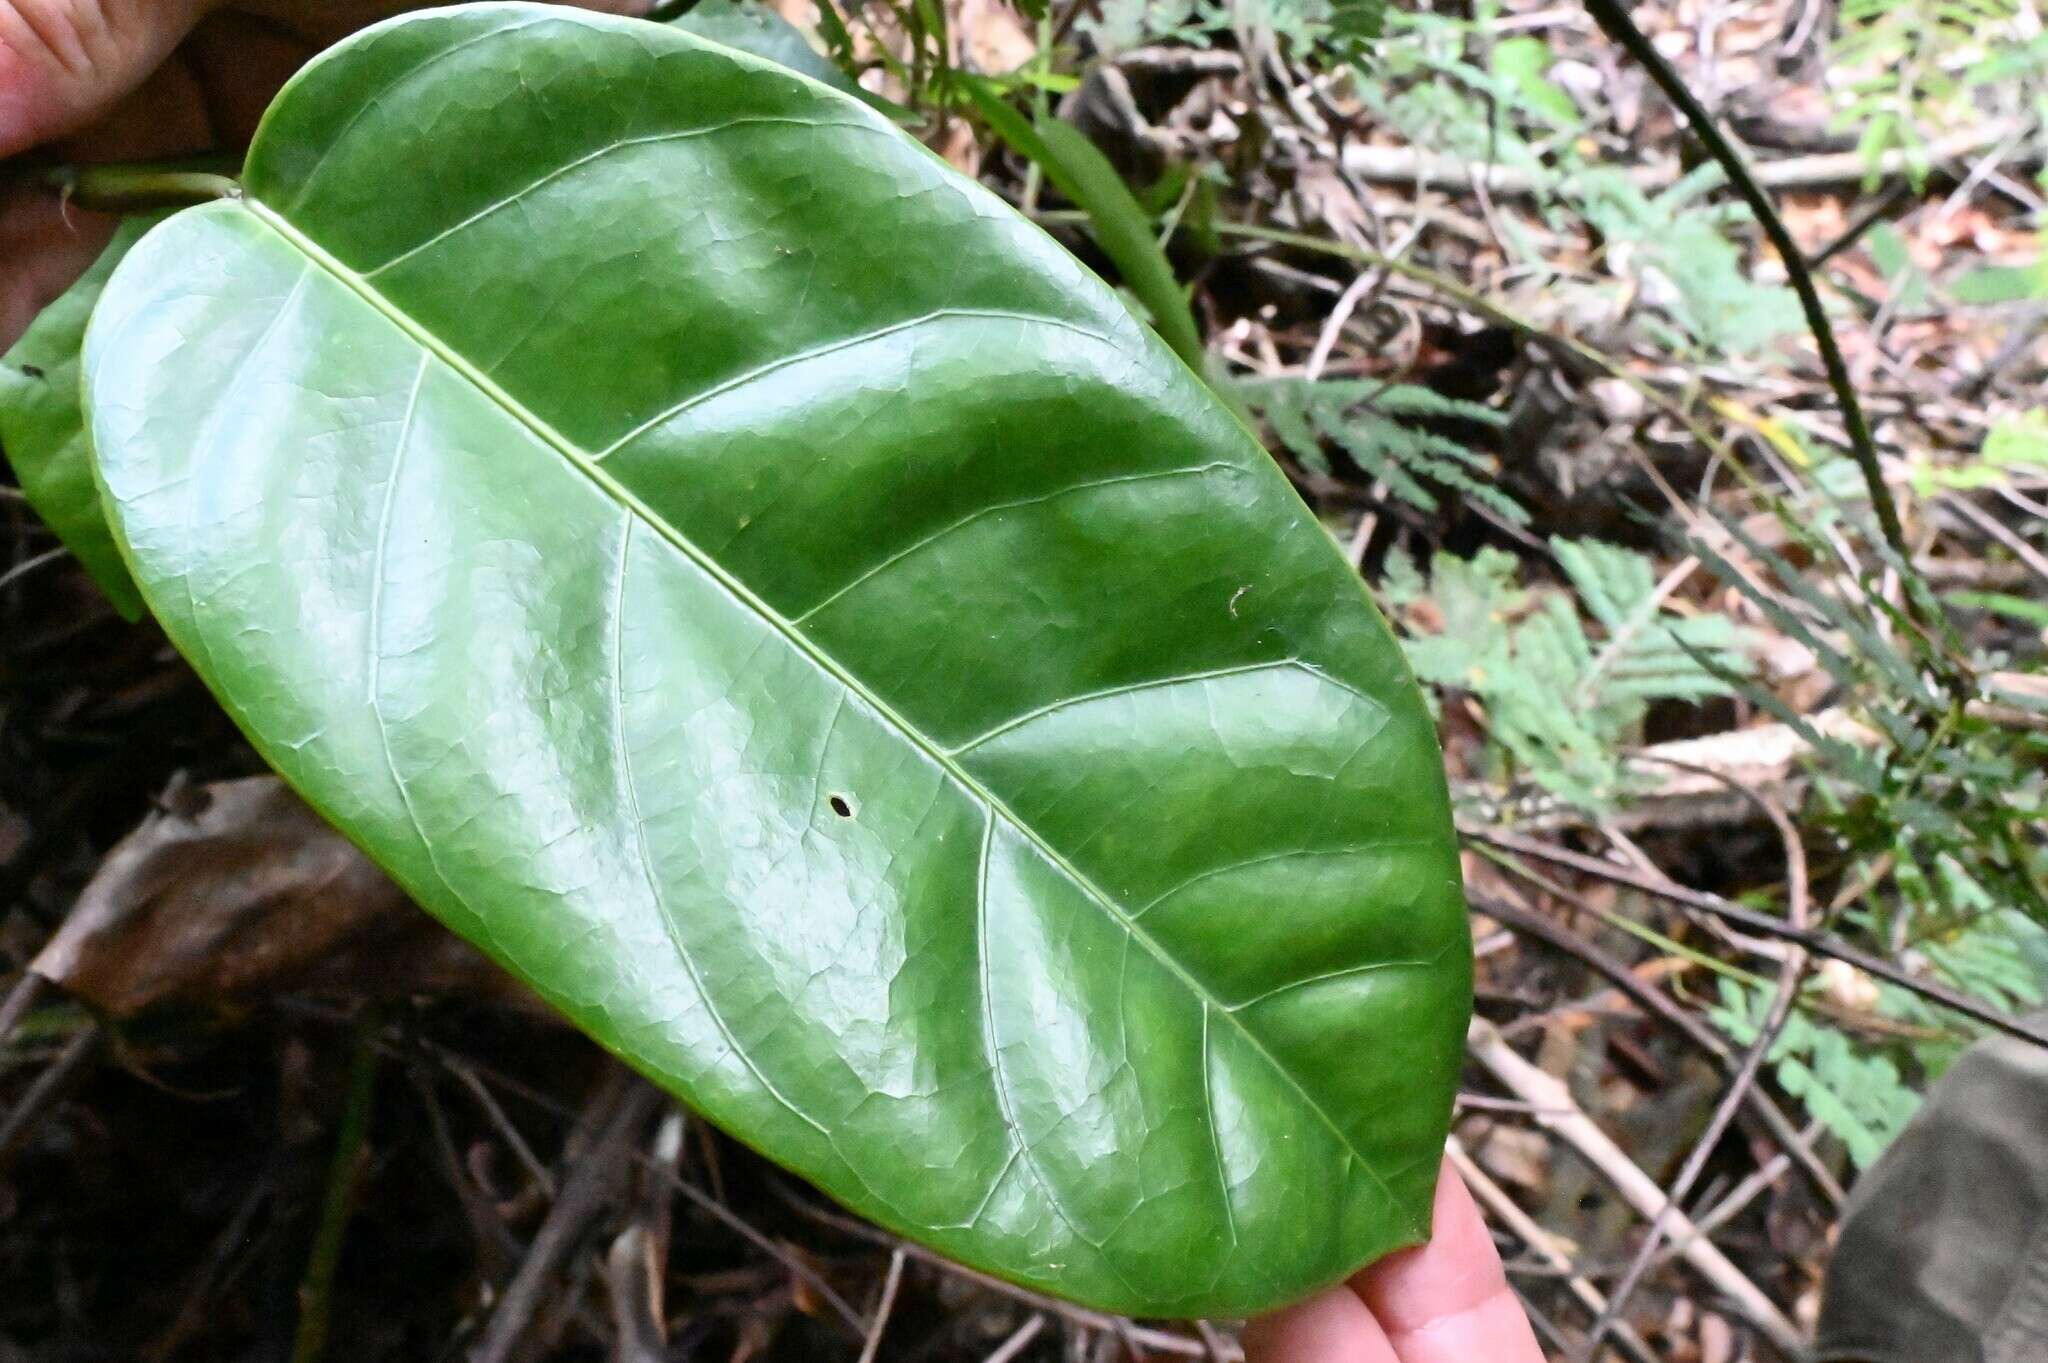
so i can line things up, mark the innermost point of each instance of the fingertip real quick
(1458, 1267)
(1331, 1327)
(20, 98)
(64, 63)
(1448, 1301)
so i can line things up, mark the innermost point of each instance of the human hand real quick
(1444, 1302)
(138, 80)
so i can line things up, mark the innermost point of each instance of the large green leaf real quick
(42, 429)
(762, 590)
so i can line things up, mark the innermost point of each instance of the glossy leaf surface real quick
(772, 598)
(42, 428)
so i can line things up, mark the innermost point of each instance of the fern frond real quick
(1563, 701)
(1373, 422)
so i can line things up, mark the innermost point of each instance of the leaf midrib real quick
(583, 462)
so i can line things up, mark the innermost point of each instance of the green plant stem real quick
(1115, 219)
(316, 1290)
(1616, 24)
(132, 188)
(1642, 932)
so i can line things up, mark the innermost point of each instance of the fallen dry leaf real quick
(237, 891)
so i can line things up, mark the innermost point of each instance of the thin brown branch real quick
(1019, 1340)
(48, 1086)
(1412, 168)
(1556, 1112)
(890, 1283)
(1614, 21)
(1822, 943)
(1659, 1004)
(590, 1185)
(20, 999)
(1796, 913)
(1155, 1340)
(697, 1197)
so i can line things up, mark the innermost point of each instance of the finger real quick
(323, 23)
(47, 241)
(1449, 1301)
(1331, 1327)
(65, 63)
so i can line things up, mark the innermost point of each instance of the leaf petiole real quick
(130, 188)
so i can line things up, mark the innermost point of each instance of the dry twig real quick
(1745, 1078)
(1822, 943)
(589, 1186)
(1555, 1111)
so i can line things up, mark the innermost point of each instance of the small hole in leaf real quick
(841, 806)
(31, 371)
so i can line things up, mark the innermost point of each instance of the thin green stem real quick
(1713, 965)
(1615, 23)
(316, 1289)
(132, 188)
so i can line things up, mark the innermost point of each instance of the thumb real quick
(64, 63)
